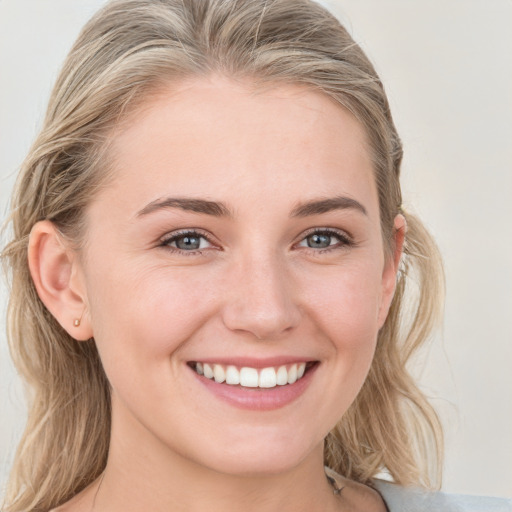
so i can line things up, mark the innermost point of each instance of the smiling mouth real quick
(248, 377)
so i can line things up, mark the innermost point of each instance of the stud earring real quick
(78, 321)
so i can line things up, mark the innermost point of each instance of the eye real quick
(325, 239)
(187, 241)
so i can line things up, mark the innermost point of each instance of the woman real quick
(211, 307)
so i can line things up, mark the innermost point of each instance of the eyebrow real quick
(219, 209)
(213, 208)
(320, 206)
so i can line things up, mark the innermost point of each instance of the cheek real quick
(146, 315)
(344, 307)
(346, 304)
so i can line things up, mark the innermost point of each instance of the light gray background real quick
(447, 66)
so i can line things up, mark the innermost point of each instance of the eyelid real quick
(327, 229)
(165, 240)
(346, 239)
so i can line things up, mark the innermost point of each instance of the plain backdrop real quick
(447, 67)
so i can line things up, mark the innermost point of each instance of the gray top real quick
(401, 499)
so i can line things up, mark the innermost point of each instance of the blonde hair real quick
(127, 50)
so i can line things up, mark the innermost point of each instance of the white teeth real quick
(282, 376)
(292, 374)
(251, 377)
(232, 375)
(268, 378)
(208, 372)
(218, 373)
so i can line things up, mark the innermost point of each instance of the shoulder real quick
(404, 499)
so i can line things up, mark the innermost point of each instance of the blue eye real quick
(325, 239)
(188, 241)
(319, 241)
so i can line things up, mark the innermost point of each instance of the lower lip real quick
(258, 399)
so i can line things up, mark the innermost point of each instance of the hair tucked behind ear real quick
(129, 49)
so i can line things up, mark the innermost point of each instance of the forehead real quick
(215, 135)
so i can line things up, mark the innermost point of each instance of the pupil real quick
(188, 242)
(319, 241)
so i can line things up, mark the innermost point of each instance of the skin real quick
(254, 288)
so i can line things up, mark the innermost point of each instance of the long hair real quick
(128, 50)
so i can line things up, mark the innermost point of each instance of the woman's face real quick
(241, 232)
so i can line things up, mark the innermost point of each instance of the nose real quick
(260, 299)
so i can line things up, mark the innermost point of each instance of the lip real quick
(257, 399)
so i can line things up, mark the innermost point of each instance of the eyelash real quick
(344, 241)
(174, 237)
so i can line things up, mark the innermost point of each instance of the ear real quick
(56, 273)
(391, 265)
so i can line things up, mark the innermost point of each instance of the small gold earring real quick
(78, 321)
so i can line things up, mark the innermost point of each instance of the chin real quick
(264, 466)
(260, 456)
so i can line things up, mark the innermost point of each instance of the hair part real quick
(127, 51)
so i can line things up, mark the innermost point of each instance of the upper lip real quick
(252, 362)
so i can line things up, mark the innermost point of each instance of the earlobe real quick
(54, 267)
(391, 266)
